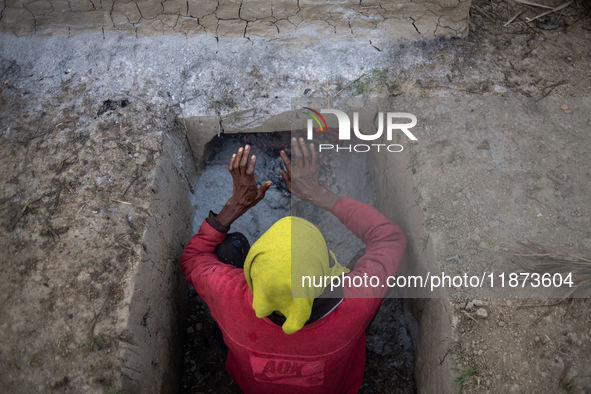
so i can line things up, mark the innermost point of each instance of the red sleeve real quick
(204, 270)
(385, 246)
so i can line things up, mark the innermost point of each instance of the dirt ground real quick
(71, 160)
(528, 182)
(68, 240)
(497, 345)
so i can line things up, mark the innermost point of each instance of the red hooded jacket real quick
(326, 356)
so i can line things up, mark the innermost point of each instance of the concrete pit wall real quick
(432, 335)
(249, 19)
(150, 355)
(152, 341)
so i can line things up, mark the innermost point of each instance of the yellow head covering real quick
(290, 249)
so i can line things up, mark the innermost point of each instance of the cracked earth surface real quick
(275, 20)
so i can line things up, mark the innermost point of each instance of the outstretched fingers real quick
(286, 161)
(287, 179)
(240, 164)
(234, 167)
(251, 164)
(286, 175)
(305, 152)
(244, 159)
(297, 153)
(231, 165)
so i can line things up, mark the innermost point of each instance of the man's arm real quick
(199, 253)
(385, 242)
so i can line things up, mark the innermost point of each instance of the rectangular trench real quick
(390, 355)
(417, 329)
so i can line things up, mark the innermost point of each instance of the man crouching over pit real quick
(283, 335)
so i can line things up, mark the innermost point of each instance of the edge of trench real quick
(151, 354)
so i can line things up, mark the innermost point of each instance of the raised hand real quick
(246, 194)
(301, 179)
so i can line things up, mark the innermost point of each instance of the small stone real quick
(509, 303)
(478, 303)
(387, 350)
(482, 313)
(378, 347)
(199, 326)
(455, 203)
(469, 306)
(190, 330)
(565, 108)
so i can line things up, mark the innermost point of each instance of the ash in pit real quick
(390, 357)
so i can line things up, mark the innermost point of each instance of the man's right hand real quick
(245, 192)
(301, 179)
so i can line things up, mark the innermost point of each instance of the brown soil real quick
(506, 352)
(73, 212)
